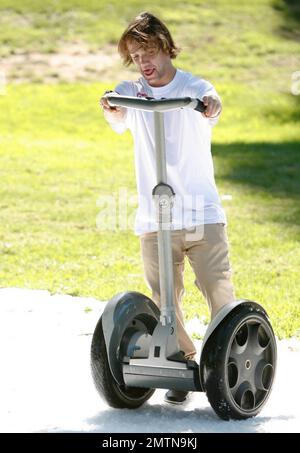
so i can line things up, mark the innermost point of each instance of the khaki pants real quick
(208, 257)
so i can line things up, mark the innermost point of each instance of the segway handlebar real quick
(155, 105)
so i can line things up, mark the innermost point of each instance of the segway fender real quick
(219, 318)
(222, 314)
(118, 314)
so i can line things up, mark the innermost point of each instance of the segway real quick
(135, 345)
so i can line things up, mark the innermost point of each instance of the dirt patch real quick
(73, 62)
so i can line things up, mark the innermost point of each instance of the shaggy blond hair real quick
(148, 31)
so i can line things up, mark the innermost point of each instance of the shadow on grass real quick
(290, 10)
(270, 167)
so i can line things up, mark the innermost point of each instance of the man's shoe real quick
(176, 396)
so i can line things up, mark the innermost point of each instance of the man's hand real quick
(112, 114)
(213, 108)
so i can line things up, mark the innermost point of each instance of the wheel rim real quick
(139, 323)
(250, 364)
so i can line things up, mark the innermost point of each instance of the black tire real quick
(116, 395)
(238, 363)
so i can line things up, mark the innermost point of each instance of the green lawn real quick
(236, 40)
(58, 156)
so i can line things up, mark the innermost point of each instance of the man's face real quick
(154, 65)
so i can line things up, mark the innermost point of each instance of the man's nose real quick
(144, 59)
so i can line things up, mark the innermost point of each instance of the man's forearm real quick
(117, 116)
(112, 114)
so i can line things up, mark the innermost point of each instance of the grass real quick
(58, 157)
(218, 40)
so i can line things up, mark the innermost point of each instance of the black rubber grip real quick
(200, 106)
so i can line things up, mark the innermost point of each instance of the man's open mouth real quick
(149, 72)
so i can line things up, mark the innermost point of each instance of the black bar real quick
(148, 104)
(138, 442)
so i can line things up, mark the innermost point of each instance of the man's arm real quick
(206, 92)
(112, 114)
(213, 106)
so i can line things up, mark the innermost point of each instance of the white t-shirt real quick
(190, 169)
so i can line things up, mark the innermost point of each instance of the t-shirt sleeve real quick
(200, 88)
(124, 89)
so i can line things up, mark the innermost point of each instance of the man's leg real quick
(149, 250)
(209, 259)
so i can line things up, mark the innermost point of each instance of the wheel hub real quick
(250, 365)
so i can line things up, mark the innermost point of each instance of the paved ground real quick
(46, 386)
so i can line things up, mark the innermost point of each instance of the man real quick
(147, 43)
